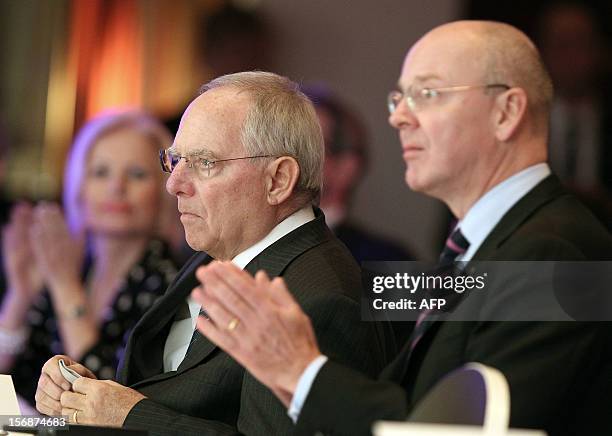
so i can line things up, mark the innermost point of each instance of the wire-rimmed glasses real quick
(169, 160)
(417, 98)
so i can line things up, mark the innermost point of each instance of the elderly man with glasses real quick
(471, 111)
(246, 168)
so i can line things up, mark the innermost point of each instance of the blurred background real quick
(64, 61)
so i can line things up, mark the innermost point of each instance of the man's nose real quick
(402, 116)
(179, 182)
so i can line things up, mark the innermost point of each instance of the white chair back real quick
(472, 400)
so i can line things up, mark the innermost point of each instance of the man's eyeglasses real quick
(169, 160)
(418, 98)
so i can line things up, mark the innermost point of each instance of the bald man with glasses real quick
(471, 111)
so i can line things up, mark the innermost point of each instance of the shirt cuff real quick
(303, 387)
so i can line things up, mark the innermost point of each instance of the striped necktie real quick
(455, 245)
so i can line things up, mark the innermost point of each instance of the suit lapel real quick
(144, 354)
(274, 259)
(396, 370)
(198, 351)
(543, 193)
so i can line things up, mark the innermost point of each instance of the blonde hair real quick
(87, 137)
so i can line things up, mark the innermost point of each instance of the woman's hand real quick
(58, 255)
(23, 276)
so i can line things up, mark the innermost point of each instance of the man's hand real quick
(99, 402)
(52, 384)
(258, 323)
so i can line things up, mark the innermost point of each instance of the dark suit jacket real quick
(210, 393)
(560, 373)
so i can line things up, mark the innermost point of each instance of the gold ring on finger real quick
(231, 326)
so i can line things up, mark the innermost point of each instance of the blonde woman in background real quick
(77, 284)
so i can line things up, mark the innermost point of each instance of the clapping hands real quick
(38, 249)
(24, 278)
(58, 256)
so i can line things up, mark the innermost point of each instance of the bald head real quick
(503, 54)
(485, 116)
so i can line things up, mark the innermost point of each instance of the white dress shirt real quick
(480, 220)
(181, 331)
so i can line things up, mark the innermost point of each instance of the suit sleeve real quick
(343, 401)
(159, 420)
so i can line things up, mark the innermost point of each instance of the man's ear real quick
(282, 176)
(511, 109)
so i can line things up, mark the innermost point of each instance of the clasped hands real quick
(254, 319)
(88, 401)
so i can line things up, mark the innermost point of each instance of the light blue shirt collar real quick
(480, 220)
(484, 215)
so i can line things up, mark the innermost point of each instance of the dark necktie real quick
(455, 245)
(184, 313)
(196, 334)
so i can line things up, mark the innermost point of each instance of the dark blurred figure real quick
(231, 40)
(573, 47)
(581, 134)
(573, 37)
(235, 40)
(346, 160)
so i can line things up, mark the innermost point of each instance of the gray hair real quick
(281, 122)
(87, 137)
